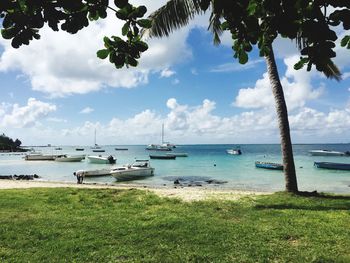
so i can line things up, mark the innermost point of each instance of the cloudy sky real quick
(57, 91)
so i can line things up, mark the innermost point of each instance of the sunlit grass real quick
(85, 225)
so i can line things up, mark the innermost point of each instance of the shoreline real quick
(183, 193)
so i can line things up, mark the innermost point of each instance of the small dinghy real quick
(268, 165)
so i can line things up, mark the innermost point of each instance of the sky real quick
(56, 91)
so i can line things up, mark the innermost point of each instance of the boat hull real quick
(178, 154)
(268, 165)
(70, 158)
(131, 173)
(163, 157)
(101, 160)
(40, 157)
(333, 166)
(326, 153)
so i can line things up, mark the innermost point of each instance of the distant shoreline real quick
(184, 193)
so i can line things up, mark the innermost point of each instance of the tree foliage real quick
(311, 23)
(22, 20)
(251, 23)
(8, 144)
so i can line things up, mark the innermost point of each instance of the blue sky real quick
(56, 91)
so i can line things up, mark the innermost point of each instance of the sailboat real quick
(96, 147)
(165, 146)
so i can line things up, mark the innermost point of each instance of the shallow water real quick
(208, 161)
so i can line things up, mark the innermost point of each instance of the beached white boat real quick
(234, 151)
(70, 158)
(40, 157)
(326, 153)
(138, 170)
(102, 159)
(93, 173)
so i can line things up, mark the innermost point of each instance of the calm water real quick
(209, 161)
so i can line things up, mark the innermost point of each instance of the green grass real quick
(85, 225)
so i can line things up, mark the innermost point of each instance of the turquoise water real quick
(209, 161)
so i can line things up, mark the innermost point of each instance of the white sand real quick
(184, 193)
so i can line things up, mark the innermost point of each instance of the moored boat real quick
(163, 157)
(178, 154)
(102, 159)
(40, 157)
(234, 151)
(98, 150)
(269, 165)
(334, 166)
(327, 153)
(157, 147)
(139, 169)
(79, 149)
(70, 158)
(121, 149)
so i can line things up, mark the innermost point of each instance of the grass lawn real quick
(100, 225)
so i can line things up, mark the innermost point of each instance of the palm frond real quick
(215, 27)
(330, 70)
(173, 15)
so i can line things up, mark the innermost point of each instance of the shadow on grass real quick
(312, 201)
(323, 195)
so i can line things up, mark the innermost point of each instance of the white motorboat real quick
(139, 169)
(93, 173)
(102, 159)
(326, 153)
(70, 158)
(234, 151)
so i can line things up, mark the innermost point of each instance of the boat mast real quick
(163, 133)
(95, 138)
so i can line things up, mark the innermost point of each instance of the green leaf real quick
(121, 3)
(345, 41)
(145, 23)
(103, 53)
(242, 57)
(252, 7)
(125, 29)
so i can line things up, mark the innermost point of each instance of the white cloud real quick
(296, 84)
(175, 81)
(166, 73)
(346, 75)
(26, 116)
(86, 110)
(185, 124)
(194, 71)
(235, 66)
(57, 120)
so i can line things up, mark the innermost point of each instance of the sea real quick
(204, 162)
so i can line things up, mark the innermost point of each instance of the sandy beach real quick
(184, 193)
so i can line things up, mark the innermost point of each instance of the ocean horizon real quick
(204, 162)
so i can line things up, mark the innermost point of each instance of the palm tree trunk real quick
(283, 123)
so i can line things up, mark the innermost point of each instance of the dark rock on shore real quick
(20, 177)
(193, 181)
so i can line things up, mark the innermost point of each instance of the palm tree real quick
(177, 13)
